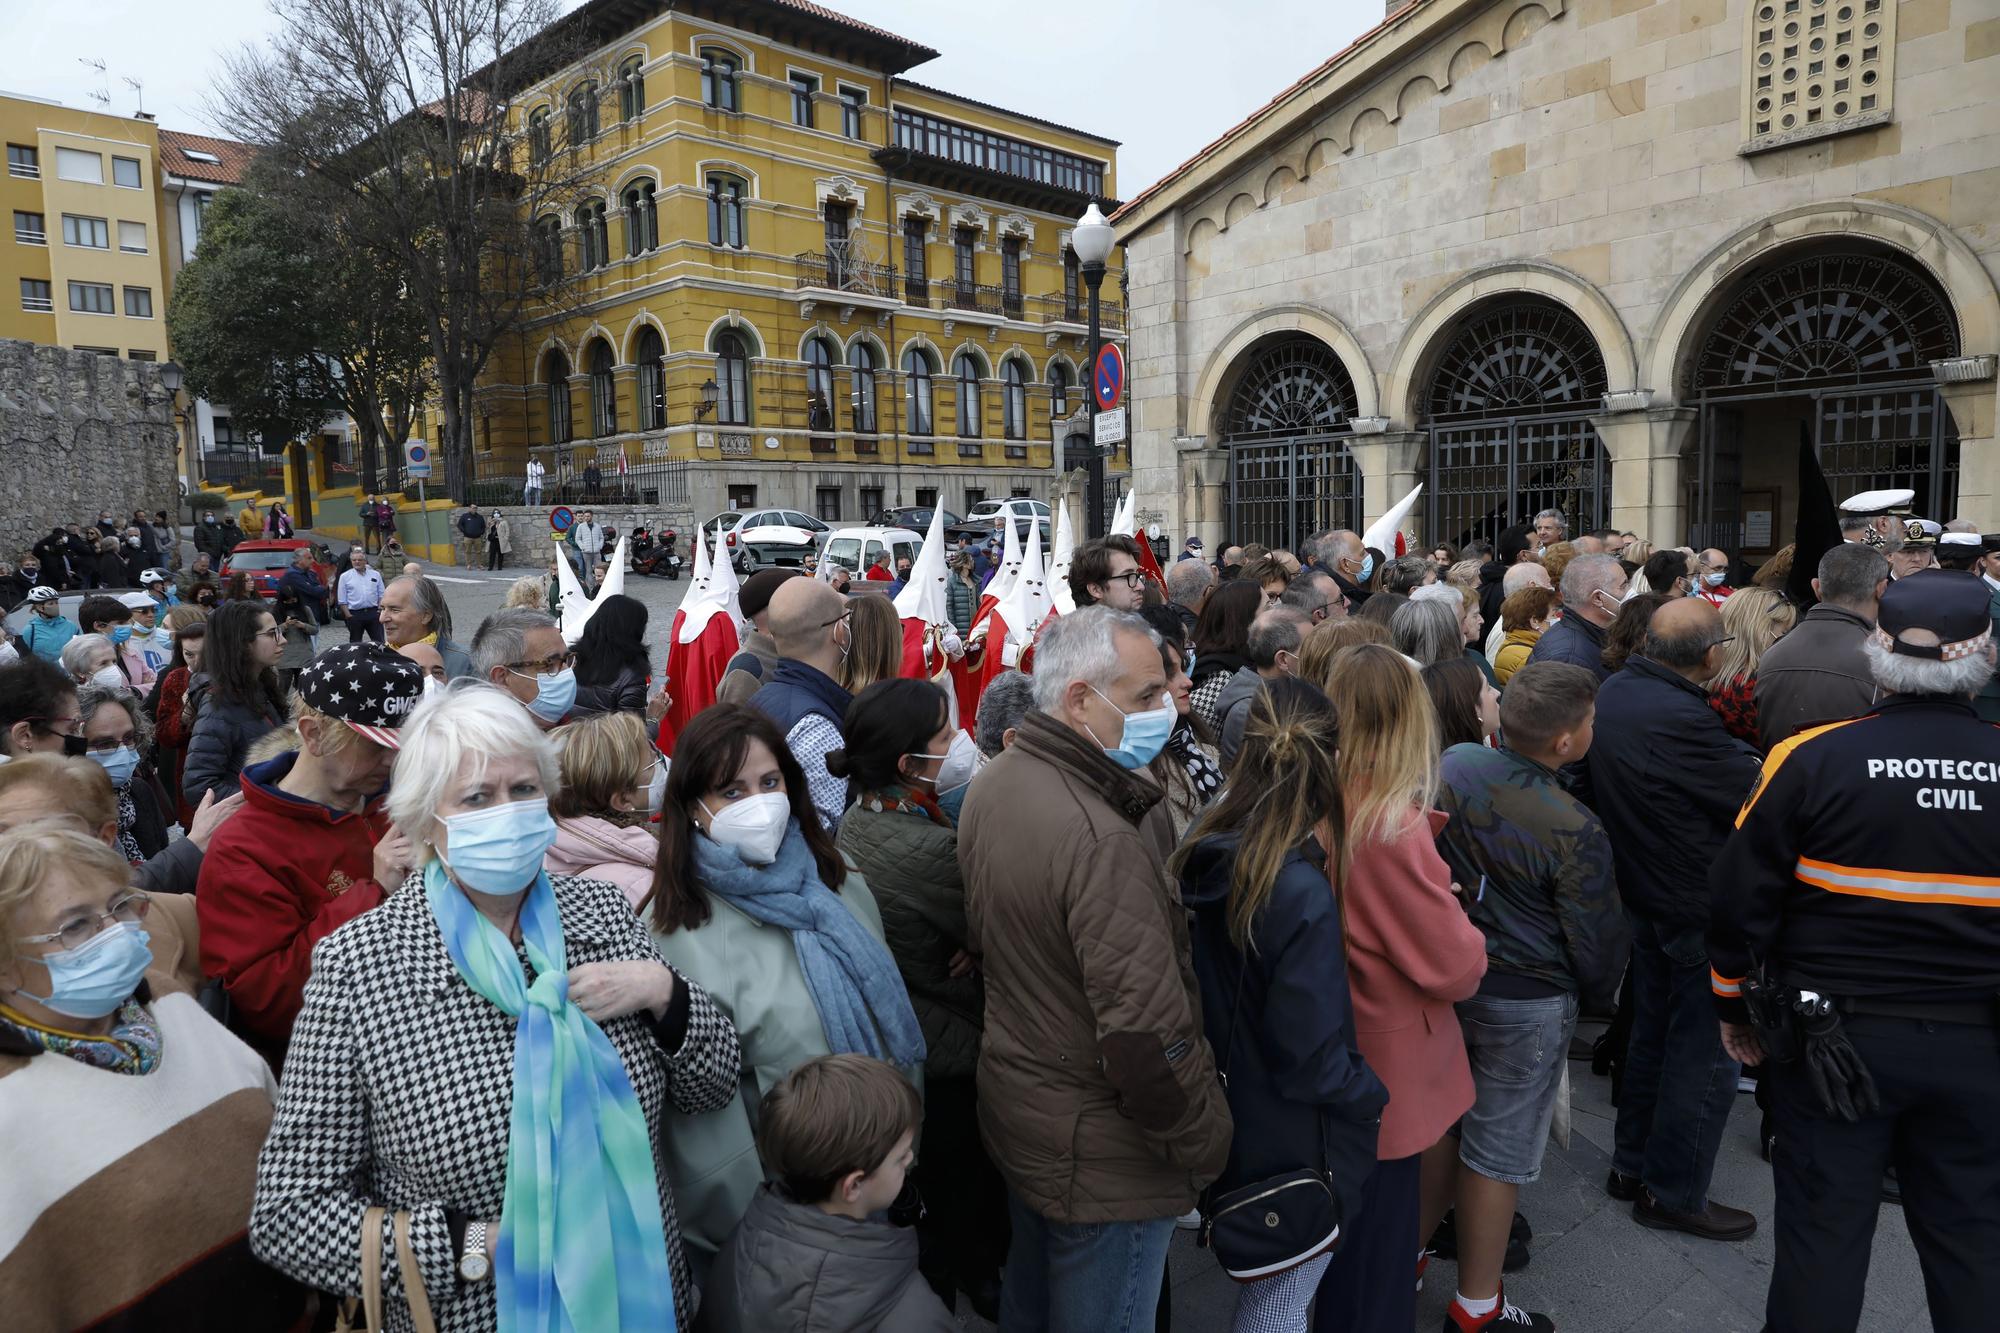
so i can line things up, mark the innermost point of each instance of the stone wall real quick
(76, 436)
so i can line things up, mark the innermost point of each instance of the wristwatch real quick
(473, 1265)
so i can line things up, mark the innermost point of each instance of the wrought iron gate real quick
(1486, 476)
(1286, 427)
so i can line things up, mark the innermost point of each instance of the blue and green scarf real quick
(582, 1244)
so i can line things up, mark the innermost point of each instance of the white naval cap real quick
(1870, 503)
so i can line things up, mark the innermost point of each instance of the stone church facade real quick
(1616, 256)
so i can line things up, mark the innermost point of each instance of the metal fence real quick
(663, 483)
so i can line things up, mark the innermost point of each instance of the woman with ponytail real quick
(1259, 871)
(899, 737)
(1412, 951)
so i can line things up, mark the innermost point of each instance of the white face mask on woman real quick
(754, 826)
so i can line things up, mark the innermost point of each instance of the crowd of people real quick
(1259, 896)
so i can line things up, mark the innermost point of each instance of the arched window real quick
(1058, 389)
(917, 371)
(583, 114)
(650, 355)
(556, 376)
(819, 385)
(732, 381)
(540, 144)
(603, 391)
(965, 369)
(1014, 399)
(593, 249)
(631, 89)
(862, 358)
(549, 247)
(642, 218)
(725, 210)
(718, 78)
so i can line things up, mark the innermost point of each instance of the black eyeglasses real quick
(1131, 578)
(548, 666)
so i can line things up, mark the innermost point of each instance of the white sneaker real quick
(1189, 1220)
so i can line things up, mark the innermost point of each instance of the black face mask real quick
(75, 747)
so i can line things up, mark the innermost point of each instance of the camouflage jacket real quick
(1536, 869)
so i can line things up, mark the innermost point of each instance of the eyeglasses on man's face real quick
(547, 666)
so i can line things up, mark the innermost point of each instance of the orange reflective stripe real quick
(1900, 885)
(1727, 987)
(1779, 754)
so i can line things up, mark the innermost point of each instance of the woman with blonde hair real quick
(613, 781)
(1525, 614)
(1411, 953)
(1329, 638)
(1261, 872)
(875, 645)
(530, 591)
(1752, 620)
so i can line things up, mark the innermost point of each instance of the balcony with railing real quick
(934, 151)
(1057, 308)
(846, 267)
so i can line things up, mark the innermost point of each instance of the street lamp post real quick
(1092, 240)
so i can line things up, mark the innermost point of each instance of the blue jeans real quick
(1081, 1277)
(1679, 1083)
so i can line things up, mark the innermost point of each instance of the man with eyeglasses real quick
(1316, 593)
(809, 622)
(1106, 572)
(522, 651)
(1667, 779)
(1711, 577)
(38, 713)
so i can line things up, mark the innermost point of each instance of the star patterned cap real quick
(369, 687)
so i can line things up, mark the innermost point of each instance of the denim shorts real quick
(1517, 1049)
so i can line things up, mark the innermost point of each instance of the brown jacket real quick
(1097, 1092)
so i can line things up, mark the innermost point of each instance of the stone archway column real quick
(1647, 494)
(1202, 474)
(1388, 461)
(1967, 384)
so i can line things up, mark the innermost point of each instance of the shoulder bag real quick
(371, 1279)
(1272, 1225)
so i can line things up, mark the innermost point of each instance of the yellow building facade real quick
(791, 276)
(84, 269)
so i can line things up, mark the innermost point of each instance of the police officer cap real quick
(1870, 503)
(1957, 550)
(370, 688)
(1953, 608)
(1921, 532)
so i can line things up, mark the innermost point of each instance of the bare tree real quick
(407, 110)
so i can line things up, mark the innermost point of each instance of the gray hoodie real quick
(790, 1268)
(1232, 710)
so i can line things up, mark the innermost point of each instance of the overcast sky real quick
(1162, 76)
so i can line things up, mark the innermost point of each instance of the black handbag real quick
(1272, 1225)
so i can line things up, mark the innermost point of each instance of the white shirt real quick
(534, 473)
(359, 589)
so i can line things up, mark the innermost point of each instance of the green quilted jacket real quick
(911, 864)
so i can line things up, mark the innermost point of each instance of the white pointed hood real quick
(577, 609)
(922, 597)
(713, 592)
(1065, 547)
(1026, 604)
(1381, 533)
(1124, 521)
(724, 589)
(1003, 582)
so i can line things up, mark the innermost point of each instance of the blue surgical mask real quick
(498, 850)
(1367, 568)
(1144, 735)
(119, 634)
(120, 764)
(98, 975)
(1714, 578)
(555, 695)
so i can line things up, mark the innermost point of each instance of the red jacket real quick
(1411, 951)
(879, 574)
(281, 874)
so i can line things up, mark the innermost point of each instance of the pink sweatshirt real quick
(599, 849)
(1412, 951)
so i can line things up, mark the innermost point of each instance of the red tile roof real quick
(235, 157)
(834, 16)
(1325, 67)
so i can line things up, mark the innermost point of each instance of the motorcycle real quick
(670, 559)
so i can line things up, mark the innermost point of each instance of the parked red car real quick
(266, 561)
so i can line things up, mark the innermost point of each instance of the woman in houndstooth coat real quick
(400, 1079)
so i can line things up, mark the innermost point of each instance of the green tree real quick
(242, 322)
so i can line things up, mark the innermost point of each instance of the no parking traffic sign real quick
(560, 519)
(1107, 378)
(416, 460)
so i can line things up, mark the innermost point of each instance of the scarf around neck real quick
(131, 1047)
(582, 1242)
(863, 1007)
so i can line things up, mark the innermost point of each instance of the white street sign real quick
(1110, 427)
